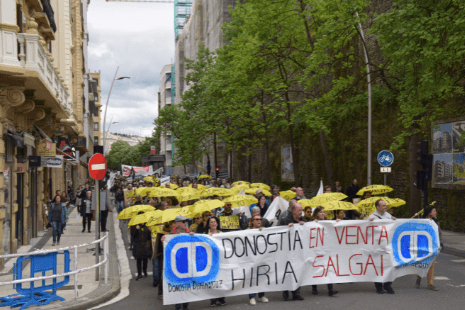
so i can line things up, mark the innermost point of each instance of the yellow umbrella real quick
(169, 215)
(307, 203)
(390, 202)
(253, 191)
(375, 189)
(236, 189)
(205, 205)
(216, 191)
(261, 186)
(288, 195)
(205, 176)
(338, 205)
(327, 197)
(240, 200)
(240, 183)
(200, 187)
(186, 190)
(163, 192)
(143, 190)
(172, 186)
(132, 211)
(188, 196)
(143, 218)
(148, 178)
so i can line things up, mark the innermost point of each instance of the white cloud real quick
(139, 38)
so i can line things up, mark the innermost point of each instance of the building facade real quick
(111, 138)
(96, 104)
(164, 99)
(42, 109)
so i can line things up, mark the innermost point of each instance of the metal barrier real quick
(44, 295)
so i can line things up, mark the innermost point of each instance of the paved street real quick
(449, 278)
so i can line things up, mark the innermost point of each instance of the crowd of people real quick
(145, 244)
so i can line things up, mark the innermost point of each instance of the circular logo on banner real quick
(414, 242)
(191, 258)
(385, 158)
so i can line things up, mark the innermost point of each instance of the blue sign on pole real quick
(385, 158)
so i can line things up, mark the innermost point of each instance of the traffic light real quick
(423, 152)
(217, 172)
(421, 180)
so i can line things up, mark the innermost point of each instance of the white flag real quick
(277, 207)
(321, 190)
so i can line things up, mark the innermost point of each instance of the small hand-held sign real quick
(98, 166)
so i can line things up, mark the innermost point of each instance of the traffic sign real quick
(385, 169)
(98, 166)
(385, 158)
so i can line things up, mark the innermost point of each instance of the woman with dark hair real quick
(319, 215)
(57, 216)
(213, 227)
(430, 213)
(158, 257)
(262, 204)
(256, 223)
(65, 201)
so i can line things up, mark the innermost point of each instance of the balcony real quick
(33, 57)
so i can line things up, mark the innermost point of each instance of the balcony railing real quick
(32, 56)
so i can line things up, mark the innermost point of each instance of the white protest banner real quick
(126, 169)
(277, 207)
(199, 267)
(164, 180)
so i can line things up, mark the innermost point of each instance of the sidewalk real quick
(454, 243)
(90, 292)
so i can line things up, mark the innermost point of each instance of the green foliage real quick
(122, 153)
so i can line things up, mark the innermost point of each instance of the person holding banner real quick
(235, 222)
(256, 223)
(256, 212)
(142, 247)
(157, 263)
(213, 225)
(430, 213)
(202, 227)
(379, 214)
(294, 217)
(319, 215)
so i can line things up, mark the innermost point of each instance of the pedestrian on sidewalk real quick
(86, 211)
(142, 248)
(70, 192)
(158, 257)
(104, 209)
(430, 213)
(57, 216)
(64, 200)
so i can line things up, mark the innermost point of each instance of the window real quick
(168, 77)
(95, 126)
(95, 140)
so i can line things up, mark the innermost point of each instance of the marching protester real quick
(319, 215)
(294, 217)
(142, 248)
(256, 223)
(86, 211)
(352, 190)
(299, 194)
(228, 212)
(380, 214)
(274, 191)
(430, 213)
(119, 196)
(255, 211)
(197, 221)
(286, 213)
(308, 214)
(57, 216)
(213, 225)
(158, 257)
(262, 204)
(202, 226)
(339, 188)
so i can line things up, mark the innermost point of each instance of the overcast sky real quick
(139, 38)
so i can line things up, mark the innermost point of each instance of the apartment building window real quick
(95, 140)
(168, 77)
(95, 126)
(168, 94)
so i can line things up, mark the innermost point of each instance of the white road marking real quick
(458, 260)
(125, 270)
(441, 278)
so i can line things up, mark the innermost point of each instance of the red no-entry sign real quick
(97, 166)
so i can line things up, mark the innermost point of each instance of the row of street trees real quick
(122, 153)
(294, 71)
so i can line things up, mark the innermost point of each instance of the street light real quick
(106, 107)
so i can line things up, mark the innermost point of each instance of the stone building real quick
(202, 27)
(96, 104)
(43, 109)
(164, 99)
(111, 138)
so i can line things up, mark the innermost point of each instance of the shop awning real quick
(41, 132)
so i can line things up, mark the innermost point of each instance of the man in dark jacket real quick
(294, 217)
(228, 212)
(86, 211)
(352, 191)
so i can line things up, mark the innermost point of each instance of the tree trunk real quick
(230, 174)
(415, 194)
(215, 153)
(329, 168)
(267, 143)
(249, 164)
(291, 137)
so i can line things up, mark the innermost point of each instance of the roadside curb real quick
(453, 251)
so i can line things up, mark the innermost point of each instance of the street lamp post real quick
(106, 108)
